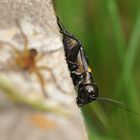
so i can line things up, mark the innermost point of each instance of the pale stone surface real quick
(34, 22)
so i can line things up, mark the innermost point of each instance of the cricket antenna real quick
(117, 104)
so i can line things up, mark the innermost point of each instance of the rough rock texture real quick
(37, 98)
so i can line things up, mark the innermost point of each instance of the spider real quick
(27, 59)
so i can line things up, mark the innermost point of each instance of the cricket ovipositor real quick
(80, 71)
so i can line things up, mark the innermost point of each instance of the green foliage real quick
(110, 33)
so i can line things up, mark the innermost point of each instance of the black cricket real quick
(79, 68)
(81, 73)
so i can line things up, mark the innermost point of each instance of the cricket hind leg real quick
(64, 31)
(61, 26)
(73, 53)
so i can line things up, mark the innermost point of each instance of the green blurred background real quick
(110, 33)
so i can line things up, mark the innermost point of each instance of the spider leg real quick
(47, 69)
(10, 45)
(52, 76)
(26, 43)
(14, 53)
(41, 81)
(40, 56)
